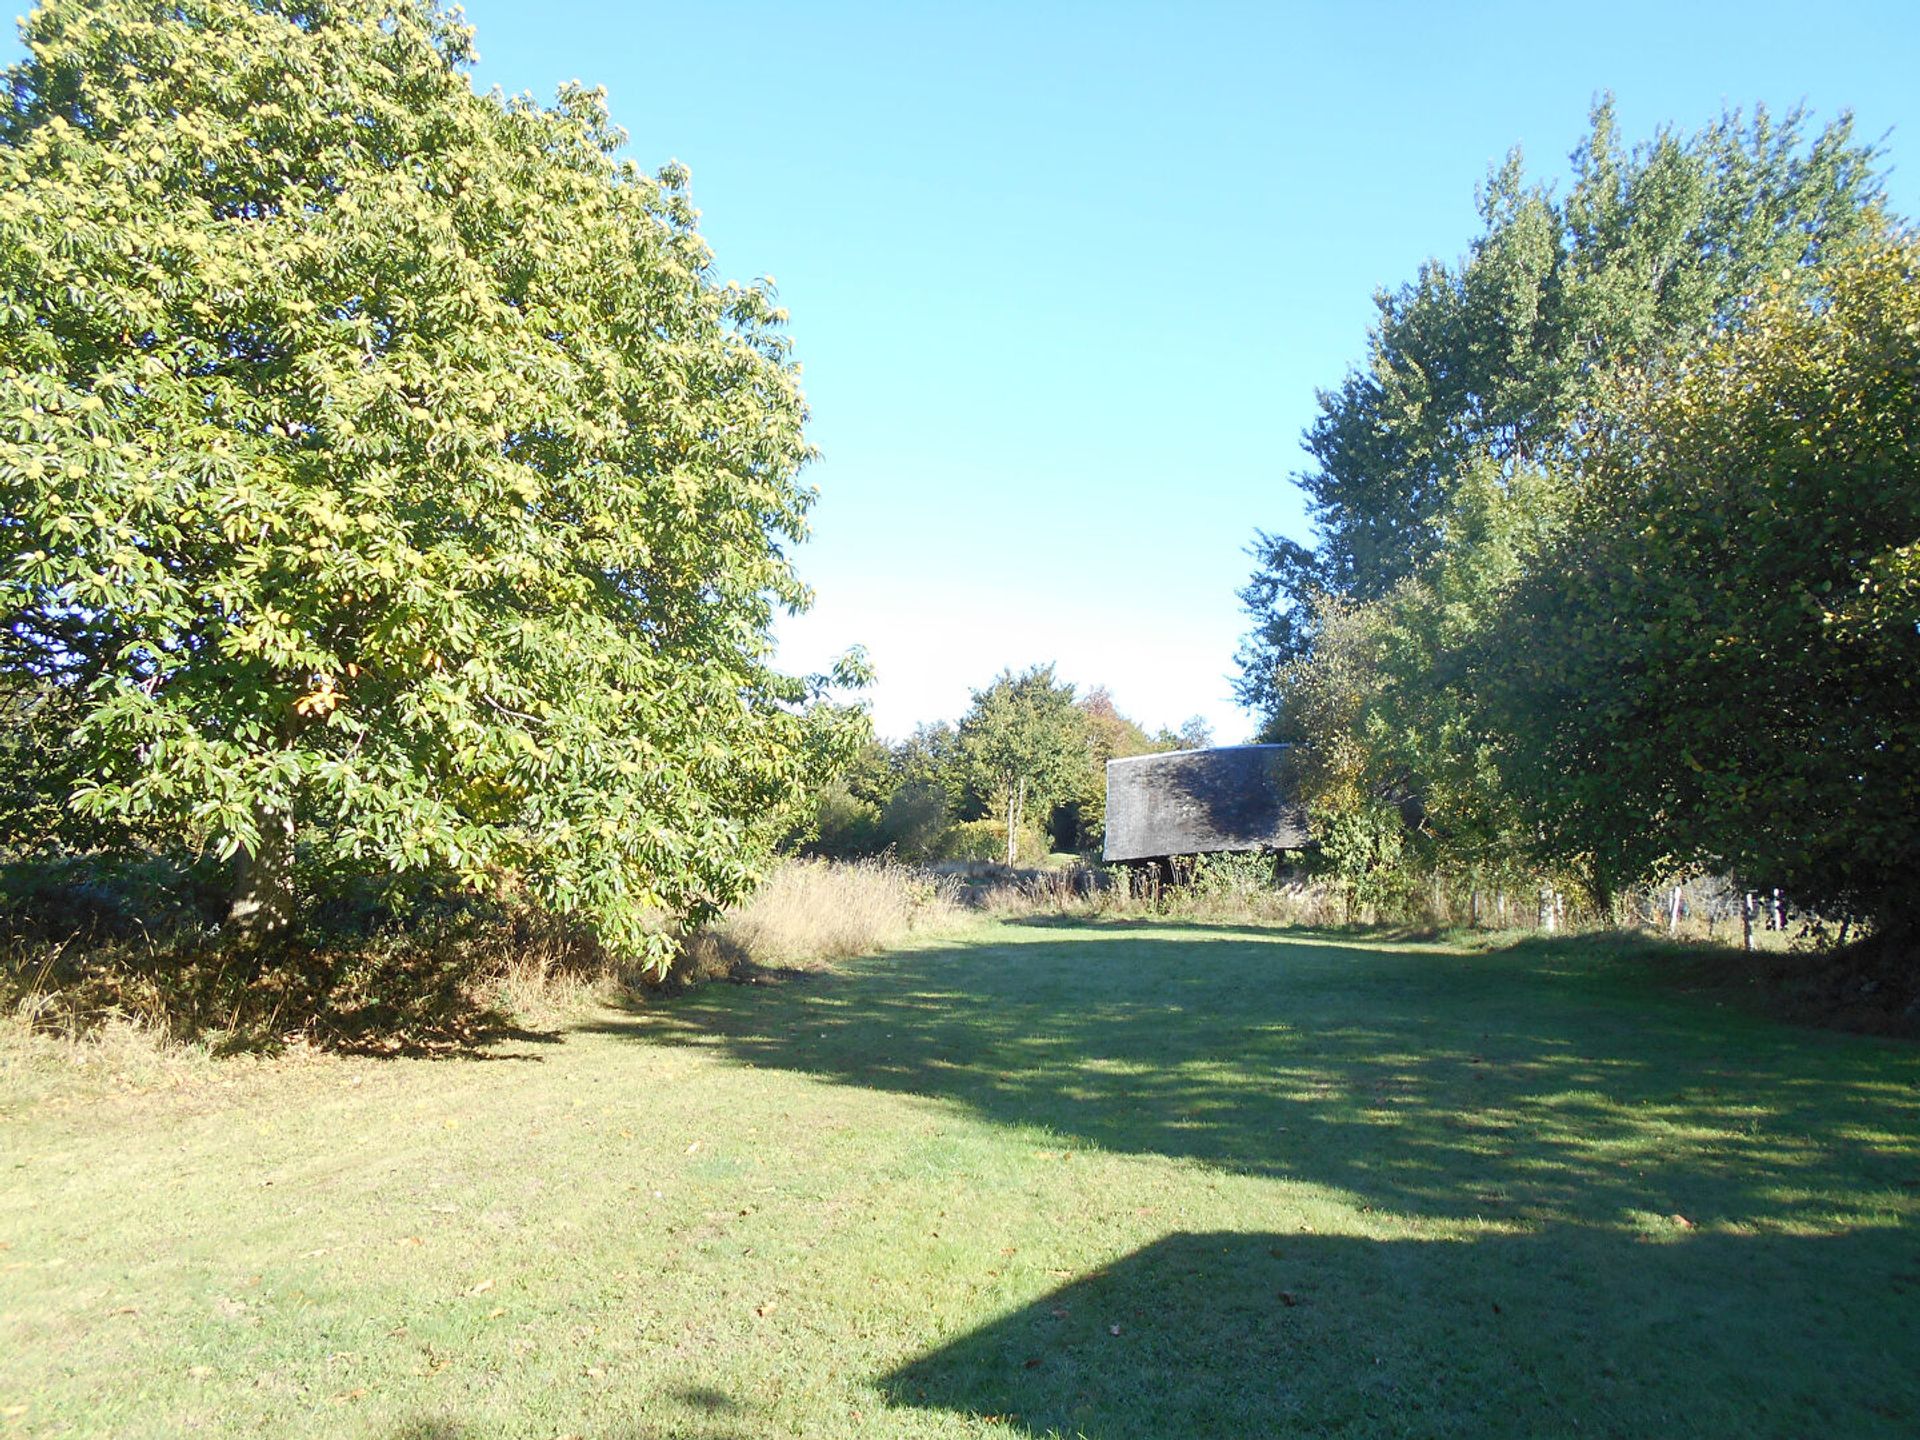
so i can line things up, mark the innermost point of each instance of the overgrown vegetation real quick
(1615, 576)
(93, 949)
(816, 911)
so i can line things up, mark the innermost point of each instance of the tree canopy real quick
(1489, 359)
(385, 460)
(1023, 743)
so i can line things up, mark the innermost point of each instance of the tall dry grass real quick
(818, 911)
(1222, 890)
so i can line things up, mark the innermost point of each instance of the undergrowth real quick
(93, 954)
(814, 911)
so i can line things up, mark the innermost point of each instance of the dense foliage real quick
(384, 470)
(1023, 773)
(1631, 594)
(1718, 653)
(1023, 743)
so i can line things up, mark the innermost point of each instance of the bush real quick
(845, 827)
(96, 898)
(448, 974)
(915, 820)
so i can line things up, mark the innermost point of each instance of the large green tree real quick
(1488, 360)
(1717, 659)
(384, 469)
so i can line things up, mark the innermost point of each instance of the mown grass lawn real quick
(1078, 1180)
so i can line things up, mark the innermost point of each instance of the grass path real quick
(1104, 1181)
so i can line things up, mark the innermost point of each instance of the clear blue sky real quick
(1064, 277)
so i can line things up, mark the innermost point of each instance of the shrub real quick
(98, 898)
(447, 974)
(844, 826)
(915, 820)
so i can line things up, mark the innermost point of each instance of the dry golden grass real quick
(817, 911)
(1224, 894)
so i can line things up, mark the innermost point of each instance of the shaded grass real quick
(1111, 1181)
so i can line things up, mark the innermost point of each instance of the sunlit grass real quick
(1058, 1179)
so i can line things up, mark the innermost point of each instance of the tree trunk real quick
(262, 905)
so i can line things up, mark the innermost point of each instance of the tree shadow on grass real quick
(1638, 1214)
(699, 1413)
(1526, 1088)
(1590, 1333)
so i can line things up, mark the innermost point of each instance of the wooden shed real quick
(1198, 802)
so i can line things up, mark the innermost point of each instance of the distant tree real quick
(890, 798)
(1023, 743)
(841, 826)
(872, 773)
(384, 471)
(1193, 734)
(1109, 735)
(1489, 360)
(931, 756)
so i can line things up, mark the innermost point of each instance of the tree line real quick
(393, 489)
(1616, 564)
(1022, 773)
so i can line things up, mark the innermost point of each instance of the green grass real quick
(1087, 1180)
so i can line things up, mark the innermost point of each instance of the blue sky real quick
(1064, 277)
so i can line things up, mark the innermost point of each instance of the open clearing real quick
(1087, 1180)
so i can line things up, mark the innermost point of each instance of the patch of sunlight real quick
(1874, 1135)
(1668, 1228)
(1105, 1066)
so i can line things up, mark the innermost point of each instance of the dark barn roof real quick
(1193, 802)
